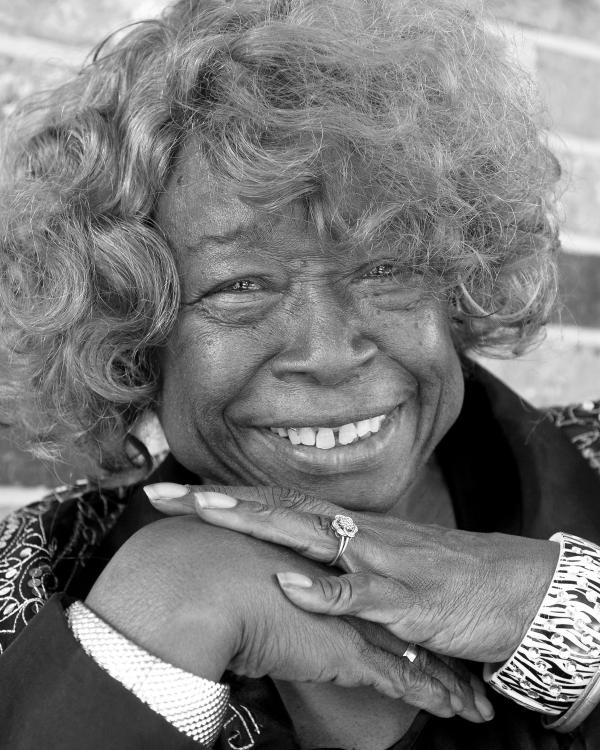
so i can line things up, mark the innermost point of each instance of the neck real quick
(428, 500)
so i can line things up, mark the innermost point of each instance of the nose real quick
(325, 344)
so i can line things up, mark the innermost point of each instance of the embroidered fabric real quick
(581, 424)
(44, 546)
(39, 555)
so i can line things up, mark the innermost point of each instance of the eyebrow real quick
(241, 232)
(203, 242)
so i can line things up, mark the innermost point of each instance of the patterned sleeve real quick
(44, 545)
(581, 424)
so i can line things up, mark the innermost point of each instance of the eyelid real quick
(225, 286)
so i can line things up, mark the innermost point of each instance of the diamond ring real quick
(345, 529)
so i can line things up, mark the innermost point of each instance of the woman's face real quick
(286, 337)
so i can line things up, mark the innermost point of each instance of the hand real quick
(427, 672)
(205, 599)
(458, 593)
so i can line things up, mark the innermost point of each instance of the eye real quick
(381, 271)
(241, 285)
(238, 291)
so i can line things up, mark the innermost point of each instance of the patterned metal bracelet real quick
(560, 654)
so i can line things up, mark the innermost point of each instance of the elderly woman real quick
(277, 228)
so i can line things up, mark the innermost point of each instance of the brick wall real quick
(559, 40)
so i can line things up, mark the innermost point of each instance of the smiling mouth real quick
(326, 438)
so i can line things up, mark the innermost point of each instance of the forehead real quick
(199, 210)
(196, 203)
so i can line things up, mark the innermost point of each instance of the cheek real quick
(428, 352)
(204, 370)
(441, 367)
(423, 343)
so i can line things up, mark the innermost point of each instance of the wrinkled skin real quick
(459, 593)
(280, 326)
(317, 333)
(205, 618)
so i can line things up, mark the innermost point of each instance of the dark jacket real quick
(508, 467)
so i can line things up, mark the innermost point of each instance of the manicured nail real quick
(165, 491)
(208, 500)
(294, 581)
(484, 707)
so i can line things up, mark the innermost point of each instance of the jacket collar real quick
(509, 469)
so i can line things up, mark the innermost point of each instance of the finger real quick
(253, 511)
(453, 675)
(366, 595)
(308, 534)
(366, 663)
(170, 498)
(399, 678)
(174, 499)
(170, 493)
(457, 678)
(180, 499)
(352, 661)
(377, 599)
(480, 692)
(275, 497)
(476, 707)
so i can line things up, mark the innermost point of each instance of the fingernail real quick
(294, 580)
(484, 707)
(456, 703)
(165, 491)
(209, 500)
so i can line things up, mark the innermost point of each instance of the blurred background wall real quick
(42, 42)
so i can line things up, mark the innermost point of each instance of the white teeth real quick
(363, 427)
(307, 436)
(293, 436)
(325, 438)
(347, 434)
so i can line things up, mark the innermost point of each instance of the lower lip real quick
(358, 456)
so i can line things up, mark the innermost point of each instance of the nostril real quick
(329, 365)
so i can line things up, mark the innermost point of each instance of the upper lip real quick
(325, 420)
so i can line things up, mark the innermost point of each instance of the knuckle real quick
(337, 591)
(321, 523)
(425, 661)
(263, 512)
(312, 542)
(411, 679)
(399, 683)
(296, 500)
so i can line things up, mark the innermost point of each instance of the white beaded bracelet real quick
(557, 661)
(193, 705)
